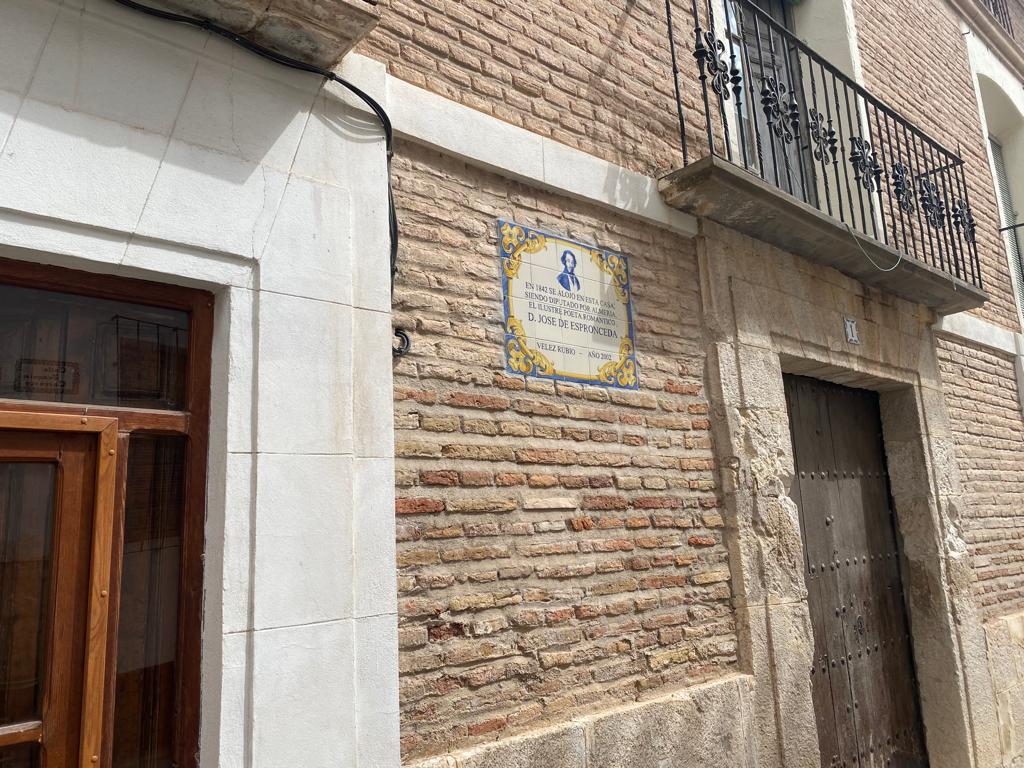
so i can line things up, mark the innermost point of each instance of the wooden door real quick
(83, 350)
(863, 682)
(56, 504)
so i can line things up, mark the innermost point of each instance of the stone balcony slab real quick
(723, 192)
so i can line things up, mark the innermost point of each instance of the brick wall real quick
(914, 57)
(595, 76)
(560, 547)
(990, 454)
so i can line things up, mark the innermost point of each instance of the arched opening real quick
(1005, 125)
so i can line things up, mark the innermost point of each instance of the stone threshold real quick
(723, 192)
(704, 725)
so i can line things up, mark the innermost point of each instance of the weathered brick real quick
(702, 541)
(604, 502)
(462, 554)
(417, 557)
(476, 479)
(507, 479)
(711, 577)
(481, 504)
(440, 423)
(473, 399)
(442, 477)
(418, 506)
(545, 456)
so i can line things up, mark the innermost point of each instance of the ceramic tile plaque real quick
(568, 313)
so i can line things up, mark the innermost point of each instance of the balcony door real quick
(775, 148)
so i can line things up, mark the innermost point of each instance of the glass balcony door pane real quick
(147, 632)
(772, 60)
(60, 347)
(26, 563)
(20, 756)
(47, 502)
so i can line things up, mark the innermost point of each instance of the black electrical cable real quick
(389, 137)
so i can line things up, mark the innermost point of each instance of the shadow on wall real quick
(630, 190)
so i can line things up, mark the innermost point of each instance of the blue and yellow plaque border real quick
(515, 240)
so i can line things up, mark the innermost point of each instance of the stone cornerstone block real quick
(700, 726)
(697, 727)
(1005, 640)
(318, 32)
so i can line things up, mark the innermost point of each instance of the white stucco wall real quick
(136, 147)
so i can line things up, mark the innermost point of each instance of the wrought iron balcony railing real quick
(1001, 11)
(777, 109)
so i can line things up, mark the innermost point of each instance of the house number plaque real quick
(852, 332)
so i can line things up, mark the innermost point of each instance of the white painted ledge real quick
(973, 329)
(516, 153)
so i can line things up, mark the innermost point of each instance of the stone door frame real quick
(767, 313)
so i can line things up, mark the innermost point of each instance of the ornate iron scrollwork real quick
(794, 116)
(902, 189)
(932, 204)
(773, 101)
(710, 55)
(963, 220)
(823, 136)
(866, 169)
(736, 79)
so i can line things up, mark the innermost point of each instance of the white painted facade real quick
(134, 147)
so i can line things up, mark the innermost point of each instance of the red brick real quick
(418, 506)
(443, 477)
(604, 502)
(474, 400)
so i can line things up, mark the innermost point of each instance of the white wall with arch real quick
(1000, 95)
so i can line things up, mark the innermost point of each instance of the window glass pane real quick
(26, 532)
(1009, 218)
(148, 625)
(20, 756)
(76, 349)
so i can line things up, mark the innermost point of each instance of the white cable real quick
(899, 256)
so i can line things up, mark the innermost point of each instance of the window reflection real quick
(20, 756)
(148, 623)
(26, 558)
(64, 348)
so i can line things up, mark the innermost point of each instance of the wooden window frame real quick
(193, 424)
